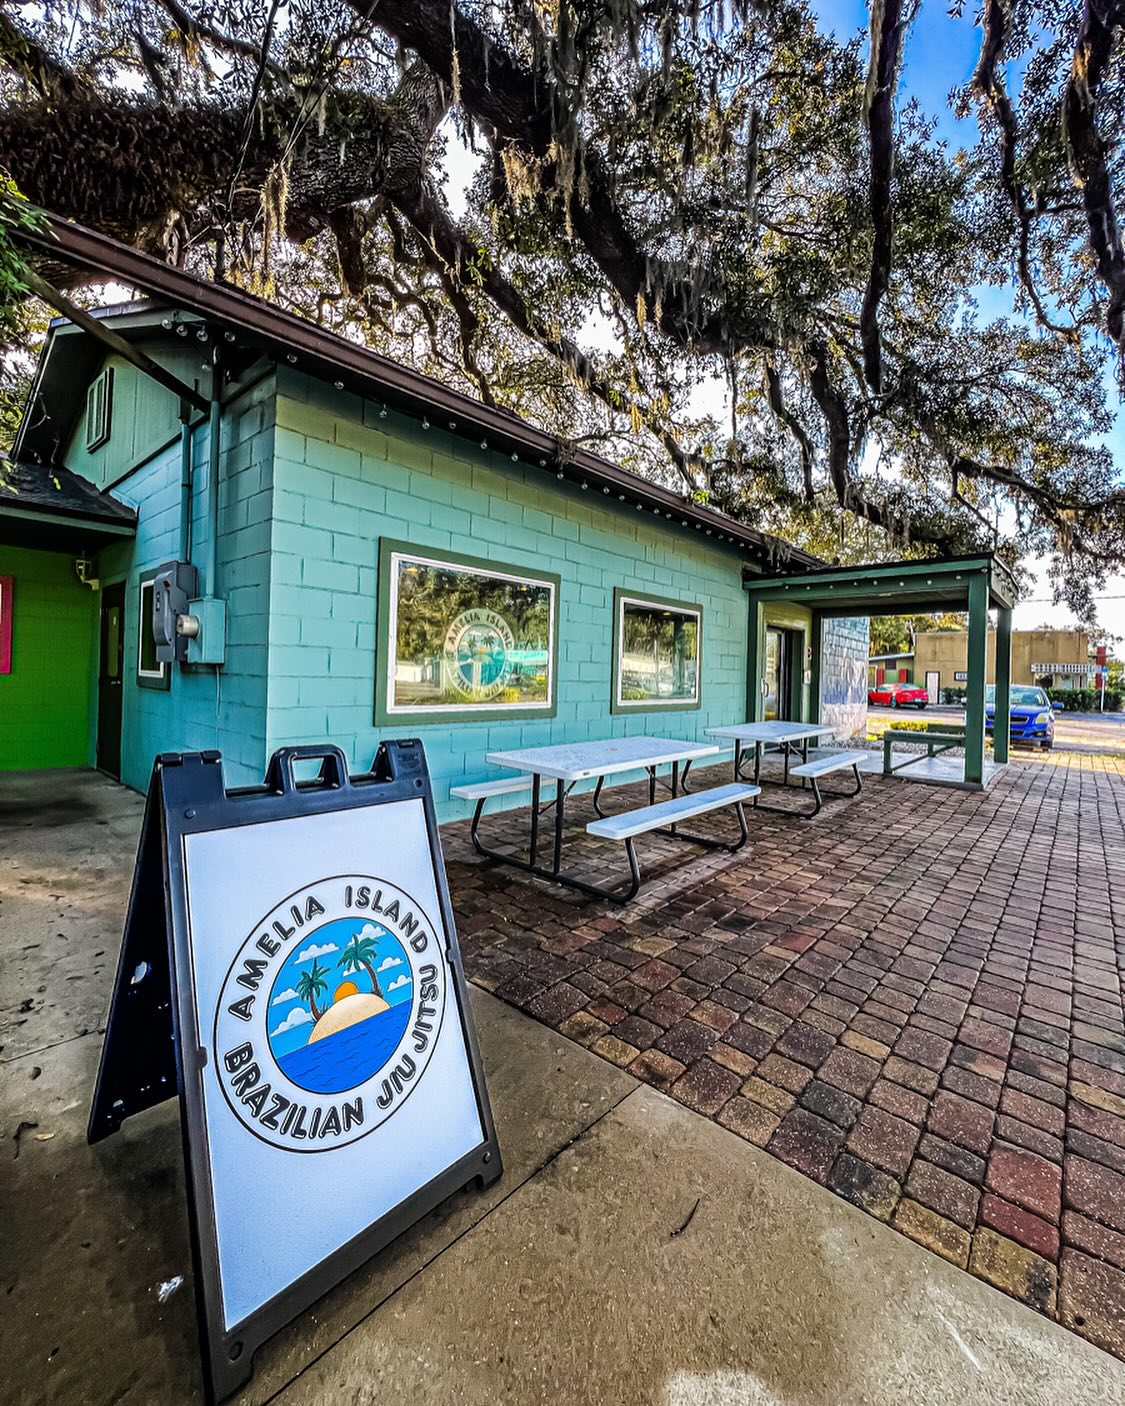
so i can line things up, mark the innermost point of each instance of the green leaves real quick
(16, 213)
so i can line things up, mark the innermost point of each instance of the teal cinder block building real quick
(372, 555)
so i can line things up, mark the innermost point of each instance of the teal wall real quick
(344, 477)
(311, 480)
(144, 416)
(204, 707)
(46, 700)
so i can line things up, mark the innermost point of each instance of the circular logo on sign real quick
(478, 653)
(329, 1013)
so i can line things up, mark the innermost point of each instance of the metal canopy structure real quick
(975, 584)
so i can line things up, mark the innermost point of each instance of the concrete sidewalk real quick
(634, 1251)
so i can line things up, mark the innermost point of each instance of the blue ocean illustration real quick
(339, 1062)
(339, 1005)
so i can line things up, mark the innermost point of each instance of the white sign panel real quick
(333, 1076)
(289, 966)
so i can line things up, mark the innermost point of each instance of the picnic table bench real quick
(665, 816)
(825, 766)
(935, 742)
(570, 763)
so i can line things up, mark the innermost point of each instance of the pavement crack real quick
(679, 1230)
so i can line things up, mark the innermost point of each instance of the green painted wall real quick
(47, 700)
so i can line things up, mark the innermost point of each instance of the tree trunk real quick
(369, 969)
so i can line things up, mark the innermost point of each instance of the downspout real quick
(186, 464)
(210, 559)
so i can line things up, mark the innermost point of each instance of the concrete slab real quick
(948, 769)
(92, 1234)
(67, 844)
(595, 1283)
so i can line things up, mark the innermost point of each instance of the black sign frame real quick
(153, 1051)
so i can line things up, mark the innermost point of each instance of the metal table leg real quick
(555, 872)
(560, 801)
(533, 851)
(597, 796)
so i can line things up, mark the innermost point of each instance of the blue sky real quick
(941, 54)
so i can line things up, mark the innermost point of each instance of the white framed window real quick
(151, 672)
(657, 653)
(462, 638)
(99, 405)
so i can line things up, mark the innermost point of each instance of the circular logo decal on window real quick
(329, 1013)
(478, 653)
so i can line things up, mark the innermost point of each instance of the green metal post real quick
(754, 663)
(816, 642)
(974, 691)
(1001, 727)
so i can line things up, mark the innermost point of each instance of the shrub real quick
(1085, 700)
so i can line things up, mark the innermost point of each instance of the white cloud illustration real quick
(282, 996)
(312, 950)
(403, 980)
(372, 930)
(296, 1017)
(387, 963)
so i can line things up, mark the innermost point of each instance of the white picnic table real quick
(566, 764)
(788, 736)
(580, 761)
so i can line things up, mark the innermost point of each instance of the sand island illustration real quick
(339, 1005)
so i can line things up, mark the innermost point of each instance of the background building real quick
(1050, 658)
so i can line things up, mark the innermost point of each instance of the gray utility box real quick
(173, 587)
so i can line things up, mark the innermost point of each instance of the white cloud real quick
(387, 963)
(312, 950)
(402, 980)
(296, 1017)
(372, 930)
(282, 996)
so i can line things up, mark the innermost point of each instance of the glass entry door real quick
(778, 673)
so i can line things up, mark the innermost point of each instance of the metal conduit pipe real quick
(186, 484)
(211, 554)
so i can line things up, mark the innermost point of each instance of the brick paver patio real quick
(915, 1000)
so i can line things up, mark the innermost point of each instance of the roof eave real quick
(329, 357)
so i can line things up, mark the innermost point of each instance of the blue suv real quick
(1032, 720)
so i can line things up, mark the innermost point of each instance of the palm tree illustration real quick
(361, 953)
(312, 984)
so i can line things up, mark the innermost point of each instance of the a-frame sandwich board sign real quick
(290, 968)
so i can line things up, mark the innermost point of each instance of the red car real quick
(898, 695)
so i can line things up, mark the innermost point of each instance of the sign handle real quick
(280, 777)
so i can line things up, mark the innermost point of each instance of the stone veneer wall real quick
(843, 674)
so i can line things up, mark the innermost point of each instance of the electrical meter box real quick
(207, 635)
(176, 582)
